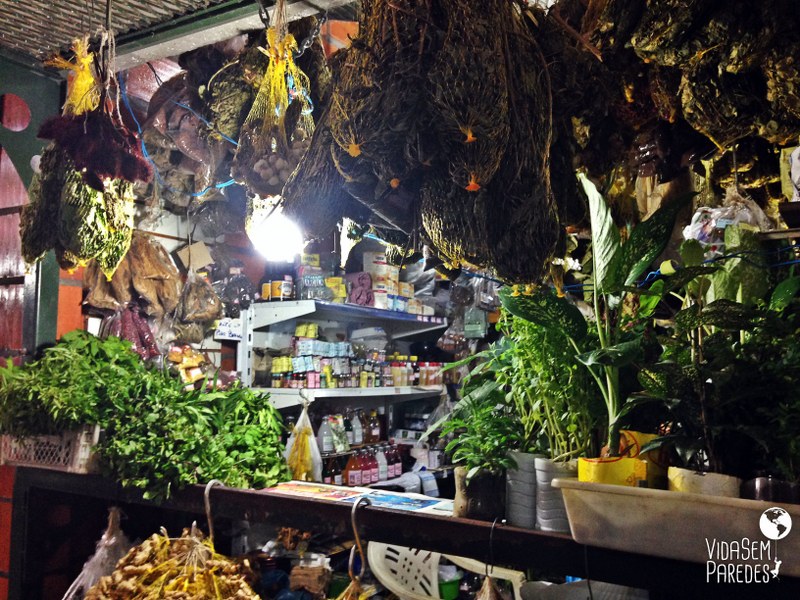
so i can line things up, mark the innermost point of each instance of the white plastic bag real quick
(302, 452)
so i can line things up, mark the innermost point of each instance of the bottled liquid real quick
(415, 370)
(383, 464)
(374, 427)
(373, 468)
(396, 373)
(358, 430)
(327, 473)
(335, 471)
(364, 426)
(395, 464)
(348, 429)
(352, 471)
(325, 436)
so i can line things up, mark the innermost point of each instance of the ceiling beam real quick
(215, 24)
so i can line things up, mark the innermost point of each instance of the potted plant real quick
(714, 376)
(620, 310)
(551, 394)
(481, 429)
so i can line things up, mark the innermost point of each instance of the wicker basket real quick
(71, 451)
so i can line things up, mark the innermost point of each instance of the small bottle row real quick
(316, 372)
(363, 467)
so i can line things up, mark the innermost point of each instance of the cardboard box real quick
(406, 289)
(195, 257)
(374, 258)
(380, 300)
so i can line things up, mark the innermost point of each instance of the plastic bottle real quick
(325, 436)
(358, 430)
(409, 373)
(415, 370)
(364, 426)
(352, 471)
(374, 427)
(383, 464)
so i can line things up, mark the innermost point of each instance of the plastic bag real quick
(302, 452)
(113, 545)
(708, 224)
(199, 301)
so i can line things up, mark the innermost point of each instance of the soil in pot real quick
(483, 498)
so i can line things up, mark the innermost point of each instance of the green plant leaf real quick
(727, 314)
(605, 240)
(544, 308)
(648, 240)
(692, 253)
(686, 275)
(649, 302)
(784, 292)
(617, 355)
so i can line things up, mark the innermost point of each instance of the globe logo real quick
(775, 523)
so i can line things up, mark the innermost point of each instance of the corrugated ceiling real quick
(39, 28)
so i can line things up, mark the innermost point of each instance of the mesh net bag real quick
(469, 91)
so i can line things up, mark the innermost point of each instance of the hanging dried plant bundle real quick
(83, 86)
(99, 147)
(522, 190)
(609, 23)
(314, 196)
(723, 107)
(454, 220)
(664, 26)
(782, 72)
(279, 123)
(469, 87)
(76, 220)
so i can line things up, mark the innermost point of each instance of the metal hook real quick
(363, 501)
(490, 561)
(263, 14)
(207, 503)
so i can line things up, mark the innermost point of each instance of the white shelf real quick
(288, 397)
(398, 324)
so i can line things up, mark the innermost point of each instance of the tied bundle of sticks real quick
(279, 123)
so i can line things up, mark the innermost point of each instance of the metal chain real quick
(309, 41)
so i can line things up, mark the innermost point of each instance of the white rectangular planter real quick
(670, 524)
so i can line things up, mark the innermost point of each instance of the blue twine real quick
(126, 101)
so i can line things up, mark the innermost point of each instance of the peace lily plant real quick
(621, 308)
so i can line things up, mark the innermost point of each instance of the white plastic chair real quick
(413, 574)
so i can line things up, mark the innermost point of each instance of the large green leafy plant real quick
(159, 437)
(621, 307)
(167, 438)
(547, 388)
(74, 383)
(728, 376)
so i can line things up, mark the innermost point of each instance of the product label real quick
(337, 480)
(374, 475)
(327, 479)
(354, 478)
